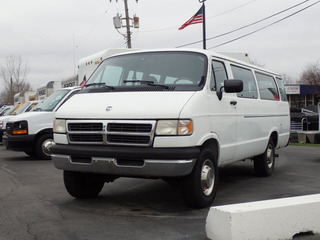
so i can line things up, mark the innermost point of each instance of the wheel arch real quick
(213, 145)
(274, 136)
(43, 132)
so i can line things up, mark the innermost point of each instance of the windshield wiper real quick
(99, 84)
(149, 83)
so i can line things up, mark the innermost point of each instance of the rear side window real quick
(267, 87)
(282, 89)
(249, 83)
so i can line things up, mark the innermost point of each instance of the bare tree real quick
(311, 74)
(13, 74)
(287, 79)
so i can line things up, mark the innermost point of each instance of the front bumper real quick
(125, 161)
(19, 142)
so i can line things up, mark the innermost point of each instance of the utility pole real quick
(11, 90)
(129, 22)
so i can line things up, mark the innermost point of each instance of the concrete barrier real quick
(272, 219)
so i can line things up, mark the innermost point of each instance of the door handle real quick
(233, 103)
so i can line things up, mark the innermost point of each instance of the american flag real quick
(197, 18)
(84, 81)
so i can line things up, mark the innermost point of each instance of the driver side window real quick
(218, 76)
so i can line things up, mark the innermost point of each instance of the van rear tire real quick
(200, 187)
(264, 164)
(82, 185)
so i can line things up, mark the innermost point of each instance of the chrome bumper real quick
(112, 166)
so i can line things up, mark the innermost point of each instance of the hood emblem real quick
(108, 108)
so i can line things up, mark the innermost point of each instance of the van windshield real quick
(50, 103)
(21, 109)
(154, 71)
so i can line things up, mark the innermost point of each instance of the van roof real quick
(210, 54)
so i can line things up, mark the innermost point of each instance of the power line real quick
(217, 15)
(280, 20)
(249, 25)
(231, 10)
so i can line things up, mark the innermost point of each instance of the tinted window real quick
(249, 83)
(267, 87)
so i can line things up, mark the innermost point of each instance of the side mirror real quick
(230, 86)
(233, 86)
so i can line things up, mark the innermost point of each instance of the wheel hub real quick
(46, 146)
(207, 177)
(269, 157)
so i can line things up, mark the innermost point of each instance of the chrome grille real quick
(107, 132)
(129, 127)
(128, 139)
(86, 137)
(85, 127)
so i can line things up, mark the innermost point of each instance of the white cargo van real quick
(26, 107)
(172, 114)
(31, 132)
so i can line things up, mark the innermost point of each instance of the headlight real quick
(185, 127)
(59, 126)
(174, 127)
(1, 125)
(20, 128)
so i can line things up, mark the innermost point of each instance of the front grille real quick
(116, 132)
(9, 127)
(127, 127)
(86, 138)
(127, 139)
(85, 127)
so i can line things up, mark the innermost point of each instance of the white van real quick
(171, 114)
(26, 107)
(31, 132)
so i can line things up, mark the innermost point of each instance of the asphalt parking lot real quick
(35, 205)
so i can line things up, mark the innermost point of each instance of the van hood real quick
(125, 105)
(37, 121)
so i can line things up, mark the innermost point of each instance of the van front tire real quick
(200, 187)
(41, 148)
(82, 185)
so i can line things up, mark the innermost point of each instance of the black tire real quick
(39, 148)
(200, 187)
(264, 164)
(82, 185)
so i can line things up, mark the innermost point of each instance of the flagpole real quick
(203, 23)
